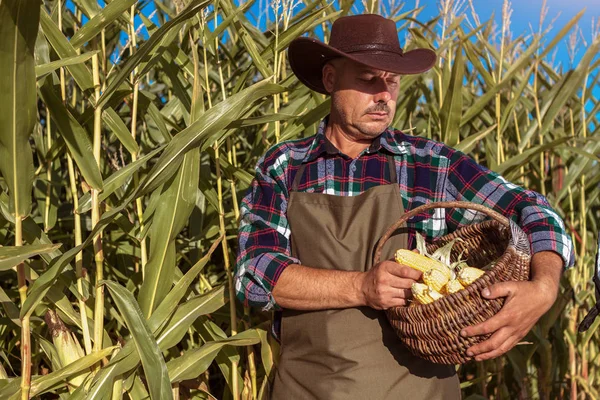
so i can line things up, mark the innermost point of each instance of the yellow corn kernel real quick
(468, 275)
(435, 278)
(452, 286)
(424, 294)
(420, 262)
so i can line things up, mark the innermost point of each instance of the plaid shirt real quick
(427, 171)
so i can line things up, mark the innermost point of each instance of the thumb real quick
(501, 289)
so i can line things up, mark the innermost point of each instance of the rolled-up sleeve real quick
(263, 237)
(546, 230)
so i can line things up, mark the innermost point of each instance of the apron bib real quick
(350, 353)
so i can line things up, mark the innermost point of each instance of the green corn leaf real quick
(79, 71)
(42, 384)
(76, 137)
(208, 126)
(116, 180)
(565, 90)
(13, 255)
(93, 27)
(151, 357)
(43, 70)
(10, 309)
(451, 109)
(18, 32)
(188, 312)
(179, 198)
(127, 358)
(466, 145)
(194, 362)
(117, 126)
(148, 47)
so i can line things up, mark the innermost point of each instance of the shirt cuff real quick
(257, 277)
(558, 242)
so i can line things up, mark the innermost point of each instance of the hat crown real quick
(364, 32)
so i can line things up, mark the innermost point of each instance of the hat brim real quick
(308, 56)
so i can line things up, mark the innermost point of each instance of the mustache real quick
(379, 107)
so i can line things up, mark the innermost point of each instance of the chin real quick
(373, 129)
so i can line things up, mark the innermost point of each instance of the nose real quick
(383, 93)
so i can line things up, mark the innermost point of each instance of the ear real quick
(329, 76)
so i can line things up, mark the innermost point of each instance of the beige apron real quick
(350, 353)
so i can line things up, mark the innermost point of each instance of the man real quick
(318, 205)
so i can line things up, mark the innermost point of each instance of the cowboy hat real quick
(368, 39)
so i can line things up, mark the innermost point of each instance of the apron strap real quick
(392, 166)
(297, 178)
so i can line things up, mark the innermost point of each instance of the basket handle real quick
(439, 204)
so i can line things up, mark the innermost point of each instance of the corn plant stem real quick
(539, 121)
(74, 194)
(231, 157)
(134, 156)
(25, 329)
(583, 227)
(79, 257)
(583, 268)
(48, 170)
(176, 391)
(572, 354)
(518, 132)
(98, 255)
(227, 265)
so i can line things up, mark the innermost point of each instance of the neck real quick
(345, 141)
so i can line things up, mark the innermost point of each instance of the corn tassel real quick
(435, 278)
(468, 275)
(421, 263)
(424, 294)
(452, 286)
(67, 347)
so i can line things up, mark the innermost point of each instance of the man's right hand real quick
(387, 285)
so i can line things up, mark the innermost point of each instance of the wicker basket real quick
(432, 331)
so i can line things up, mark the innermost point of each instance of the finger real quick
(402, 294)
(493, 343)
(397, 302)
(489, 326)
(403, 271)
(501, 289)
(400, 283)
(498, 351)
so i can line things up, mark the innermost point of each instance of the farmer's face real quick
(363, 99)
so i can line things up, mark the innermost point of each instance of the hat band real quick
(371, 47)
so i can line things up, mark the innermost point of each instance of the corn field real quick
(128, 138)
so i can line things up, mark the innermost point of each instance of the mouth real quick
(378, 115)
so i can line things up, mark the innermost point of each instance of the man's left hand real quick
(525, 303)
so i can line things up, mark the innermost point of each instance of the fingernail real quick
(485, 292)
(463, 333)
(469, 353)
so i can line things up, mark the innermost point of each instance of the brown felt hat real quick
(368, 39)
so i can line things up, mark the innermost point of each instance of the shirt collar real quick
(390, 140)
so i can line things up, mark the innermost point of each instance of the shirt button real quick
(353, 168)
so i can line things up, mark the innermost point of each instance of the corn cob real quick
(67, 347)
(468, 275)
(424, 294)
(452, 286)
(435, 278)
(420, 262)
